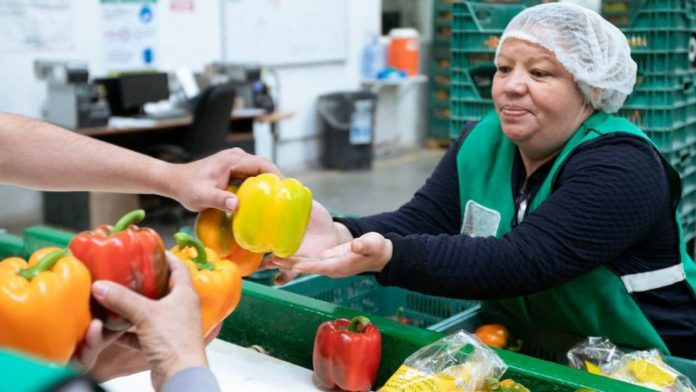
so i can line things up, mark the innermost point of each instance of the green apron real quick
(598, 303)
(20, 374)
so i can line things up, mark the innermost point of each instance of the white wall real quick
(303, 84)
(186, 39)
(192, 40)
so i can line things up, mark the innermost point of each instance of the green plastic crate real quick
(551, 346)
(285, 324)
(11, 245)
(363, 293)
(33, 238)
(658, 33)
(37, 237)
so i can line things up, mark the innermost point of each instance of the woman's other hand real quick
(369, 253)
(322, 234)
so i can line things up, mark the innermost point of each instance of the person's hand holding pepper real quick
(203, 183)
(368, 253)
(167, 331)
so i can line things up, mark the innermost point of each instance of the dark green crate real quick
(36, 237)
(642, 13)
(10, 246)
(440, 114)
(663, 96)
(363, 293)
(440, 97)
(285, 323)
(548, 345)
(438, 130)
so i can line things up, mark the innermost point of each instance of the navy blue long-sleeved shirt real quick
(610, 205)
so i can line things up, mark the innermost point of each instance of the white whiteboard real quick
(285, 31)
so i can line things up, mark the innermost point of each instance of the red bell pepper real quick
(347, 354)
(125, 254)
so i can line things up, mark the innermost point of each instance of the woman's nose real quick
(516, 83)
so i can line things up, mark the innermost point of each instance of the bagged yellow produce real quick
(458, 362)
(645, 368)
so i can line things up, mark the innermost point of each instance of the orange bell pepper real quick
(218, 283)
(273, 214)
(495, 335)
(44, 304)
(214, 228)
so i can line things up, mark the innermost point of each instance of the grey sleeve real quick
(192, 379)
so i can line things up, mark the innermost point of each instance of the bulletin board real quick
(277, 32)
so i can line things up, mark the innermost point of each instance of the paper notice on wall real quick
(36, 25)
(129, 34)
(182, 5)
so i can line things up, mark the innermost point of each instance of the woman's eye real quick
(539, 74)
(503, 69)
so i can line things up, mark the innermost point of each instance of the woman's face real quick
(539, 104)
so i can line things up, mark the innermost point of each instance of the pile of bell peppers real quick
(125, 254)
(44, 304)
(217, 282)
(272, 217)
(347, 354)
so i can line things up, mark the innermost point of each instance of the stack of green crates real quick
(663, 103)
(439, 118)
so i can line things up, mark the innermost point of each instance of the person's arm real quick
(167, 331)
(608, 196)
(42, 156)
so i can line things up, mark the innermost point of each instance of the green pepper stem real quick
(358, 324)
(201, 259)
(127, 220)
(399, 312)
(46, 263)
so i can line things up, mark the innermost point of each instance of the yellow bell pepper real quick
(273, 214)
(218, 283)
(44, 304)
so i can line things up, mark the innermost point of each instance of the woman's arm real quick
(608, 197)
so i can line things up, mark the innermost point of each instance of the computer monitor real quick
(139, 89)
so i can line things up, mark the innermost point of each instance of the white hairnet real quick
(589, 47)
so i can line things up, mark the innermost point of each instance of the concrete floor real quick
(391, 182)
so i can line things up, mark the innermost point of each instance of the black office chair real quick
(205, 136)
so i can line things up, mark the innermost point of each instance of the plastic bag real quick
(458, 362)
(593, 353)
(644, 368)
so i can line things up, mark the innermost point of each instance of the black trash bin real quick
(347, 122)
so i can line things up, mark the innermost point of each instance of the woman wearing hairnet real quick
(558, 210)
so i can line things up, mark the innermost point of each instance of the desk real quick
(180, 122)
(83, 210)
(273, 119)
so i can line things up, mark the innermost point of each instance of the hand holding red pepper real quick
(347, 354)
(125, 254)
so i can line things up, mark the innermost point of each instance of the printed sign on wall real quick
(36, 25)
(129, 34)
